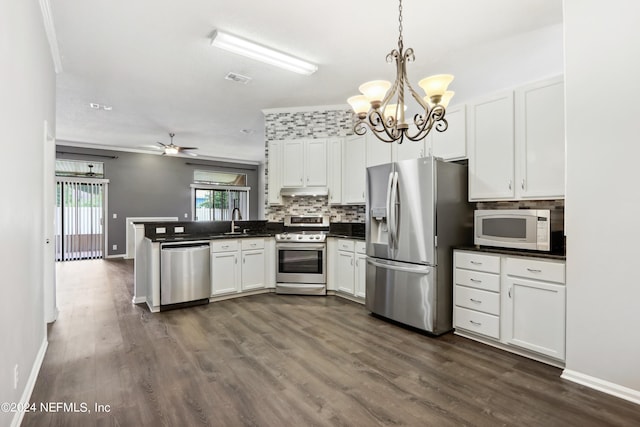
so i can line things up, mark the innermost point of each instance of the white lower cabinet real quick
(515, 303)
(534, 299)
(349, 275)
(237, 266)
(225, 267)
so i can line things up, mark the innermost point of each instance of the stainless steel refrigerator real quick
(417, 211)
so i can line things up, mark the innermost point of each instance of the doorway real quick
(80, 212)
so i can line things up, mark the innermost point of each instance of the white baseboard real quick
(613, 389)
(115, 256)
(139, 300)
(31, 383)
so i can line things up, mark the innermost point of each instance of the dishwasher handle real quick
(183, 246)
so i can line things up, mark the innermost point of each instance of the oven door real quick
(301, 263)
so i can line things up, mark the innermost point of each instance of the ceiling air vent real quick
(239, 78)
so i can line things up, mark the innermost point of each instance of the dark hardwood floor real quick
(275, 360)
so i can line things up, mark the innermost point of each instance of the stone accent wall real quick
(320, 123)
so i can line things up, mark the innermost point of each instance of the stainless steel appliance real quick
(417, 210)
(301, 256)
(185, 276)
(530, 229)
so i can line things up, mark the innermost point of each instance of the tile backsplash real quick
(320, 123)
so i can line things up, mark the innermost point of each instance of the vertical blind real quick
(79, 219)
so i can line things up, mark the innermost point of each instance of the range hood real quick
(304, 191)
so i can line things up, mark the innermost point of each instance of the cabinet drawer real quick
(487, 302)
(224, 245)
(248, 244)
(477, 261)
(534, 269)
(346, 245)
(361, 247)
(477, 279)
(480, 323)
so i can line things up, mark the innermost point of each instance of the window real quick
(216, 194)
(79, 168)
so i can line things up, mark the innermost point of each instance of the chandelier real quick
(376, 110)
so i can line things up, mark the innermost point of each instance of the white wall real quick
(602, 55)
(27, 90)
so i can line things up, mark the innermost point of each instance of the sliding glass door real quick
(80, 210)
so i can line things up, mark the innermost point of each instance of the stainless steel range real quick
(301, 255)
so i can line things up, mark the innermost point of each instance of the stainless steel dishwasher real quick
(185, 274)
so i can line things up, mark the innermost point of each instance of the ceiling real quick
(152, 62)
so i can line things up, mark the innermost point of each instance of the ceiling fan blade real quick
(188, 148)
(164, 145)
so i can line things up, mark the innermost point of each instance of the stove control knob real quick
(317, 237)
(288, 237)
(299, 237)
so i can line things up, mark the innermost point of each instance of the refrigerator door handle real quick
(394, 205)
(389, 214)
(418, 269)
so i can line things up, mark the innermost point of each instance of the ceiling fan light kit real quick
(261, 53)
(386, 119)
(172, 149)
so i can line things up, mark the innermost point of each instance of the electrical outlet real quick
(115, 216)
(186, 215)
(115, 247)
(16, 376)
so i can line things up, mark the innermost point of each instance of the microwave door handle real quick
(389, 214)
(394, 209)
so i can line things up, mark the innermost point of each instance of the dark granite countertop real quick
(513, 252)
(346, 236)
(207, 236)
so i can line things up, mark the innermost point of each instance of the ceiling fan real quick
(172, 149)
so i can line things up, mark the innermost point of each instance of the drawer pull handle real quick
(534, 270)
(476, 280)
(475, 300)
(475, 262)
(475, 323)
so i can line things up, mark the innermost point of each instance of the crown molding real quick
(50, 30)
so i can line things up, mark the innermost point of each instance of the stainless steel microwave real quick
(529, 229)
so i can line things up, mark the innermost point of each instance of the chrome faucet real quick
(235, 216)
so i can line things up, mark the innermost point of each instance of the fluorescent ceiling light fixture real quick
(261, 53)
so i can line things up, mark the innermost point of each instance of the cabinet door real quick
(274, 176)
(345, 272)
(540, 148)
(334, 170)
(293, 163)
(534, 316)
(377, 152)
(253, 270)
(225, 273)
(354, 170)
(316, 163)
(452, 143)
(361, 275)
(491, 148)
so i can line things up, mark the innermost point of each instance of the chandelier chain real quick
(400, 22)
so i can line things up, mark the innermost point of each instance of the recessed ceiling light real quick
(96, 106)
(261, 53)
(239, 78)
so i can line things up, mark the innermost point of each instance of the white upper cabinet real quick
(516, 143)
(316, 163)
(354, 170)
(540, 145)
(274, 176)
(377, 152)
(452, 143)
(491, 148)
(304, 163)
(334, 170)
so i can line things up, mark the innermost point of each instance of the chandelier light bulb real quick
(375, 91)
(435, 86)
(360, 105)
